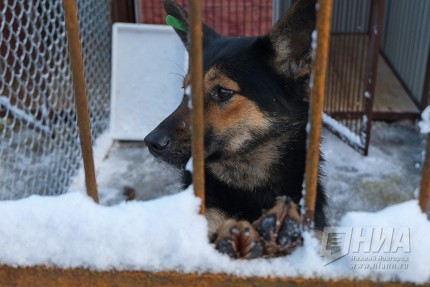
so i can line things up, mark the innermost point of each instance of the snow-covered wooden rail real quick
(44, 276)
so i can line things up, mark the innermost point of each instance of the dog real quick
(256, 111)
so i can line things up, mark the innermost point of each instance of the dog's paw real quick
(239, 239)
(280, 228)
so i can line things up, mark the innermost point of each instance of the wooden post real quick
(196, 66)
(425, 181)
(316, 106)
(81, 101)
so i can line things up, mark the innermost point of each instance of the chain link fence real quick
(39, 141)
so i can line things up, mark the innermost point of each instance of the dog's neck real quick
(248, 170)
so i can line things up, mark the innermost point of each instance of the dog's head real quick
(252, 87)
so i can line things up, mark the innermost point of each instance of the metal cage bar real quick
(81, 99)
(316, 106)
(424, 197)
(352, 69)
(196, 66)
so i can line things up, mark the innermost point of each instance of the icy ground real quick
(390, 174)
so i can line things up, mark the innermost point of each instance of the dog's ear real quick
(291, 39)
(179, 12)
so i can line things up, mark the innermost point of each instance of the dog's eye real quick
(222, 94)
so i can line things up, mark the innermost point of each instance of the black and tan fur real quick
(256, 111)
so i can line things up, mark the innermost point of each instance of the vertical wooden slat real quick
(316, 106)
(81, 100)
(425, 181)
(196, 66)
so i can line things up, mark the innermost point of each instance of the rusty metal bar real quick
(375, 30)
(425, 181)
(316, 106)
(196, 66)
(81, 100)
(55, 277)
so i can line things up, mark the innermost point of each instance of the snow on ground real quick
(167, 234)
(425, 123)
(390, 174)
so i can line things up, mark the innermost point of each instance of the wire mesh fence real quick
(39, 143)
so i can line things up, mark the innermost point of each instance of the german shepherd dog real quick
(256, 112)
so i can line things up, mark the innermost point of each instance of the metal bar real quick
(316, 106)
(196, 66)
(361, 83)
(338, 59)
(375, 32)
(138, 11)
(425, 181)
(425, 100)
(334, 78)
(343, 59)
(350, 73)
(81, 100)
(377, 116)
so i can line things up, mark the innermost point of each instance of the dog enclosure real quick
(379, 55)
(39, 140)
(39, 125)
(368, 75)
(399, 71)
(351, 77)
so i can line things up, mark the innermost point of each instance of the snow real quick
(367, 94)
(189, 165)
(424, 124)
(23, 115)
(71, 231)
(341, 129)
(388, 175)
(314, 39)
(168, 234)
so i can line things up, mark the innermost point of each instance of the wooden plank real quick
(390, 96)
(47, 277)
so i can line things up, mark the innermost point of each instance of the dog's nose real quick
(157, 142)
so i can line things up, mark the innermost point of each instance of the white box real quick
(148, 65)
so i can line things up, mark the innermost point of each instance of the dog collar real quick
(176, 23)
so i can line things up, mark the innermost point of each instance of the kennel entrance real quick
(362, 83)
(351, 74)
